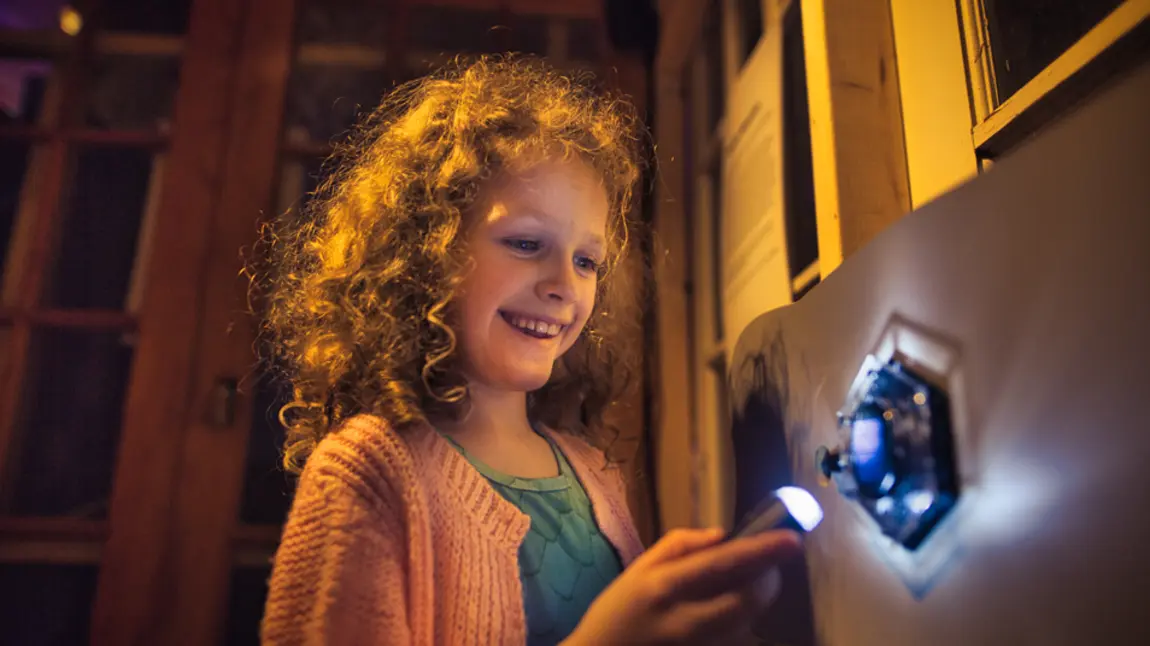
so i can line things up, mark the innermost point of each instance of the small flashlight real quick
(785, 508)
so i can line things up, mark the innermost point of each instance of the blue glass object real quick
(898, 455)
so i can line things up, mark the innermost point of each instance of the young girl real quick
(448, 315)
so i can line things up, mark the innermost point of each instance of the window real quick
(704, 96)
(713, 60)
(1043, 56)
(978, 77)
(750, 21)
(1028, 35)
(715, 219)
(798, 173)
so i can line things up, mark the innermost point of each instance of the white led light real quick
(884, 505)
(919, 501)
(802, 506)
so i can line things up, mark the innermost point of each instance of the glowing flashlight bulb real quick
(785, 508)
(802, 506)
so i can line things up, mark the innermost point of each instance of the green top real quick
(564, 561)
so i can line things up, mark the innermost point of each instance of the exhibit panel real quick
(965, 399)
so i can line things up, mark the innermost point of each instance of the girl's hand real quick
(686, 589)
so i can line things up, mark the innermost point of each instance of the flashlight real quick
(785, 508)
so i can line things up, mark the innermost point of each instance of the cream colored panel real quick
(755, 275)
(936, 106)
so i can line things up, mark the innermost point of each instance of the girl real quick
(448, 315)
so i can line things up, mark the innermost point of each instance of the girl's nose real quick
(559, 283)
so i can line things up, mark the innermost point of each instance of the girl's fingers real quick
(678, 543)
(716, 619)
(730, 566)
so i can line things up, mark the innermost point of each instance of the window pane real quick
(147, 16)
(451, 29)
(300, 178)
(525, 34)
(22, 86)
(100, 226)
(750, 25)
(268, 489)
(717, 255)
(246, 598)
(1028, 35)
(361, 24)
(69, 427)
(798, 169)
(133, 92)
(13, 164)
(46, 605)
(713, 51)
(584, 40)
(324, 101)
(32, 14)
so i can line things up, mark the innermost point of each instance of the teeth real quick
(539, 327)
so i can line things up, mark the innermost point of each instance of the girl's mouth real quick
(533, 327)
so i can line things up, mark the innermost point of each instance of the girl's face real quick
(536, 241)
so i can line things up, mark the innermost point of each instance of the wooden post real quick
(207, 498)
(141, 510)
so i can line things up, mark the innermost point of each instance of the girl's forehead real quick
(553, 187)
(554, 177)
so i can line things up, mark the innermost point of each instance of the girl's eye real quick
(522, 245)
(587, 264)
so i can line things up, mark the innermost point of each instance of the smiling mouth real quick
(534, 328)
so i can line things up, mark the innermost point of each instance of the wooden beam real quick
(672, 415)
(15, 530)
(81, 319)
(592, 9)
(213, 456)
(857, 148)
(52, 552)
(132, 138)
(33, 238)
(628, 75)
(681, 26)
(130, 585)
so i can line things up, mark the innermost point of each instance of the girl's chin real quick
(528, 381)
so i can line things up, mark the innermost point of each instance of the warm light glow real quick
(802, 506)
(71, 22)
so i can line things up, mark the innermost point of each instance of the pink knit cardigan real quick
(399, 540)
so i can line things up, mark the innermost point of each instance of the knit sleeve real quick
(339, 575)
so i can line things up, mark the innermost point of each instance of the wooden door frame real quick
(213, 457)
(130, 586)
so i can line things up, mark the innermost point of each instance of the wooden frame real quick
(936, 107)
(1081, 66)
(36, 223)
(132, 591)
(178, 478)
(855, 119)
(673, 413)
(857, 147)
(212, 457)
(954, 123)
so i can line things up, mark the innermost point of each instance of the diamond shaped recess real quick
(897, 454)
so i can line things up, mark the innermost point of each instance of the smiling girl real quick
(449, 314)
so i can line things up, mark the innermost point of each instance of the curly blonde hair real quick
(359, 294)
